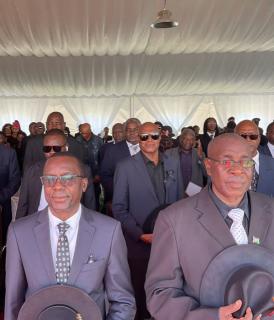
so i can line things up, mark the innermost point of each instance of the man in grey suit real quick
(263, 177)
(142, 184)
(95, 249)
(191, 162)
(191, 232)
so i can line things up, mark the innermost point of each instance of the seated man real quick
(32, 197)
(95, 250)
(189, 234)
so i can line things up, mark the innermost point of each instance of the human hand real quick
(225, 313)
(146, 237)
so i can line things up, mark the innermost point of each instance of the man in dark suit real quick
(92, 244)
(268, 149)
(32, 197)
(191, 163)
(34, 145)
(210, 131)
(116, 153)
(10, 180)
(192, 232)
(264, 165)
(143, 183)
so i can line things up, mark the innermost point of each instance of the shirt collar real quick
(72, 221)
(224, 208)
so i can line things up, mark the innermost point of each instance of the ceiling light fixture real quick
(164, 19)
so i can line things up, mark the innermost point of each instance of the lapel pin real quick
(91, 259)
(255, 240)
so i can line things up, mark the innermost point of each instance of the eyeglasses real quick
(153, 136)
(250, 136)
(228, 164)
(48, 149)
(66, 180)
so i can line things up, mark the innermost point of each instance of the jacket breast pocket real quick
(91, 276)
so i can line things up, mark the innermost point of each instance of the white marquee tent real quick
(99, 61)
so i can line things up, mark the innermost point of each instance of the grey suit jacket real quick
(266, 175)
(30, 265)
(198, 170)
(31, 187)
(134, 197)
(188, 235)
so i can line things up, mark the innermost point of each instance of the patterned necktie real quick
(62, 255)
(237, 230)
(254, 181)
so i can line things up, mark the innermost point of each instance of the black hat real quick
(231, 119)
(243, 272)
(59, 302)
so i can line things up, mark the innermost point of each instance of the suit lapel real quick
(260, 219)
(83, 245)
(42, 235)
(142, 173)
(212, 220)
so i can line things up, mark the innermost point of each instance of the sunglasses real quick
(66, 180)
(48, 149)
(153, 136)
(250, 136)
(228, 164)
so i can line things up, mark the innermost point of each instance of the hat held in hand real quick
(244, 272)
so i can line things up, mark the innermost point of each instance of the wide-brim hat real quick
(243, 272)
(60, 302)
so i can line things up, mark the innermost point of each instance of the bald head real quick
(149, 127)
(249, 130)
(225, 141)
(85, 131)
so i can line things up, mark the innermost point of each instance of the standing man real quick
(263, 175)
(34, 145)
(268, 149)
(191, 163)
(94, 246)
(92, 145)
(117, 152)
(32, 193)
(210, 131)
(10, 180)
(142, 184)
(191, 233)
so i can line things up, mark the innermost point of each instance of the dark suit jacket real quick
(30, 192)
(188, 235)
(198, 170)
(205, 139)
(134, 198)
(113, 154)
(34, 151)
(266, 175)
(265, 150)
(30, 265)
(10, 180)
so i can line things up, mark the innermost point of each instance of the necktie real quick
(62, 254)
(254, 180)
(237, 230)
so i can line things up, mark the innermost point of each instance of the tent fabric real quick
(177, 112)
(70, 55)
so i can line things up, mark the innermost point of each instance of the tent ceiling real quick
(106, 47)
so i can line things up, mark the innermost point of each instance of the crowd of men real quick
(132, 176)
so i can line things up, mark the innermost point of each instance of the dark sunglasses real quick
(250, 136)
(153, 136)
(48, 149)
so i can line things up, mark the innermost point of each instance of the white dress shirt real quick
(71, 233)
(43, 202)
(256, 159)
(271, 148)
(133, 148)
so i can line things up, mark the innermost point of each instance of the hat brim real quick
(220, 269)
(62, 295)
